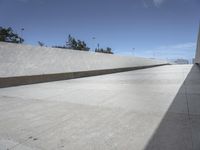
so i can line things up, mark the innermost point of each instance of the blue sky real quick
(155, 28)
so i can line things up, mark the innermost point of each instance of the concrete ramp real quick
(148, 109)
(25, 64)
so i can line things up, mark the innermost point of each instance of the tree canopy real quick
(108, 50)
(72, 43)
(7, 35)
(40, 43)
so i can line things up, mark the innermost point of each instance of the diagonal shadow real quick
(180, 127)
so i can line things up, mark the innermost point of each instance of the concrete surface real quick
(26, 60)
(23, 80)
(197, 55)
(149, 109)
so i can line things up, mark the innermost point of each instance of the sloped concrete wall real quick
(40, 64)
(197, 57)
(22, 60)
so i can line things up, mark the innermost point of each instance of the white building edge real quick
(197, 57)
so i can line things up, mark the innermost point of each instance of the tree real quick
(108, 50)
(7, 35)
(40, 43)
(74, 44)
(71, 42)
(56, 46)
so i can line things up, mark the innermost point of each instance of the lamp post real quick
(133, 51)
(154, 54)
(98, 46)
(22, 29)
(94, 38)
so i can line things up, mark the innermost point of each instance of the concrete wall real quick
(40, 64)
(197, 57)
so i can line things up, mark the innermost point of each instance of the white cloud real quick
(184, 50)
(184, 46)
(154, 3)
(157, 3)
(145, 4)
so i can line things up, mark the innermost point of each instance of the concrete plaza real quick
(149, 109)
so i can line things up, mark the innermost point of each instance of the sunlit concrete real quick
(25, 64)
(26, 60)
(149, 109)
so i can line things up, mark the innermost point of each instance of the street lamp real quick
(98, 46)
(94, 38)
(22, 29)
(133, 50)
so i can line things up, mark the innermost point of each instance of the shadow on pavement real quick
(180, 127)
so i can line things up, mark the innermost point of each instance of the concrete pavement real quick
(149, 109)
